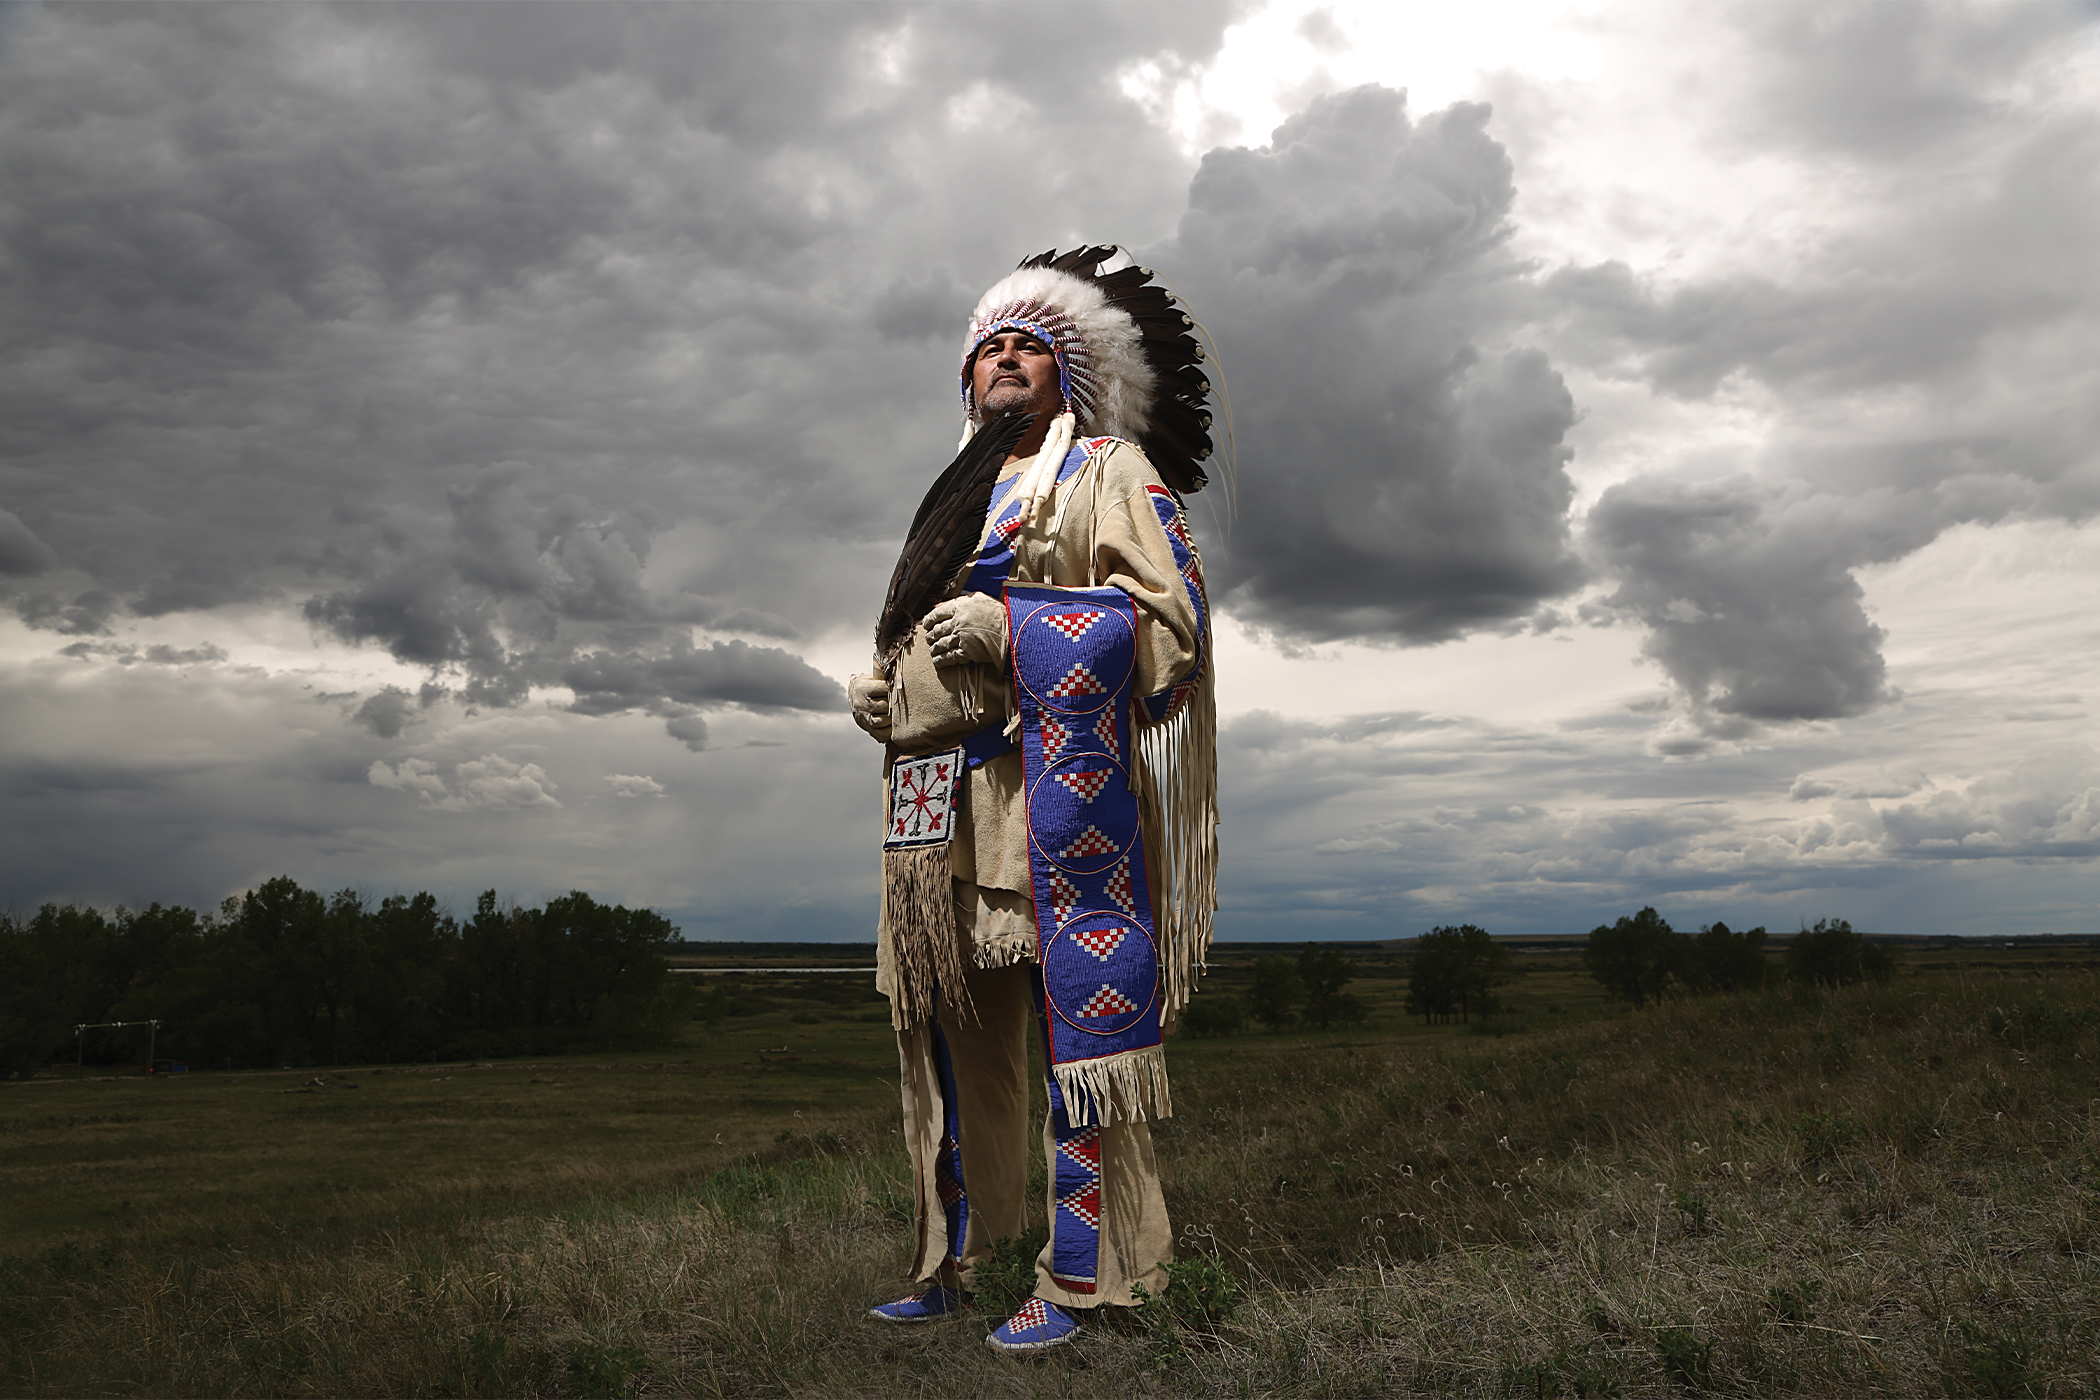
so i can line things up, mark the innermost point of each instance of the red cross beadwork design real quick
(1100, 941)
(1085, 786)
(1107, 1002)
(1119, 889)
(1091, 842)
(1064, 896)
(921, 805)
(1075, 624)
(1077, 681)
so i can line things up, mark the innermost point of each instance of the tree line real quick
(1454, 972)
(1640, 957)
(284, 975)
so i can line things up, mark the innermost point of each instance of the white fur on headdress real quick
(1110, 384)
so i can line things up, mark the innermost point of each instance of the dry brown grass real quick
(1876, 1192)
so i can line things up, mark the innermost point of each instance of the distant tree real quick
(1832, 955)
(1726, 961)
(1455, 970)
(1273, 997)
(1324, 972)
(1217, 1013)
(1638, 956)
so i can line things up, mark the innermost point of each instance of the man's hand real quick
(870, 698)
(966, 629)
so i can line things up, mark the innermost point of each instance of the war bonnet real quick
(1128, 364)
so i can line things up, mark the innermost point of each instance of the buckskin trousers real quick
(965, 1082)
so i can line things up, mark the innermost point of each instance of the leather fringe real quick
(918, 909)
(1178, 799)
(1126, 1088)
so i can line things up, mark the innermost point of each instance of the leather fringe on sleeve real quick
(1178, 797)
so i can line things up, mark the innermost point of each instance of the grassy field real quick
(1880, 1191)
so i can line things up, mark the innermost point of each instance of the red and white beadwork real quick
(1119, 889)
(1100, 941)
(1075, 624)
(1064, 896)
(1085, 786)
(1091, 842)
(1077, 681)
(1107, 1002)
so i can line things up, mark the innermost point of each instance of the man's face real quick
(1013, 372)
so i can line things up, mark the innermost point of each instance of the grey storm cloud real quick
(22, 554)
(1750, 601)
(1406, 468)
(1893, 343)
(506, 343)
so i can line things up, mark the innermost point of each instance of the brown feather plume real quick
(1178, 438)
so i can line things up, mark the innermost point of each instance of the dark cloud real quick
(726, 673)
(1748, 597)
(160, 654)
(1904, 351)
(1404, 469)
(22, 554)
(388, 712)
(506, 342)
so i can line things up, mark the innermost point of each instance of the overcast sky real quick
(456, 447)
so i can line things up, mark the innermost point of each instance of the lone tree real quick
(1323, 972)
(1274, 996)
(1831, 955)
(1637, 956)
(1456, 970)
(1726, 961)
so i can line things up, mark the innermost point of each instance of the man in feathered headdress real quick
(1043, 690)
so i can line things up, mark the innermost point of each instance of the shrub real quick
(1636, 957)
(1273, 998)
(1218, 1014)
(1201, 1293)
(1456, 969)
(1832, 955)
(1323, 972)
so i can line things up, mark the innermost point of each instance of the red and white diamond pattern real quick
(1077, 681)
(1032, 1315)
(1064, 896)
(1100, 941)
(1085, 786)
(1120, 891)
(1085, 1203)
(1107, 1002)
(1056, 734)
(1091, 842)
(1105, 731)
(1084, 1148)
(1075, 624)
(1178, 527)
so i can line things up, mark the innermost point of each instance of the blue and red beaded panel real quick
(1074, 658)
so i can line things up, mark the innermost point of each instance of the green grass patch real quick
(1880, 1191)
